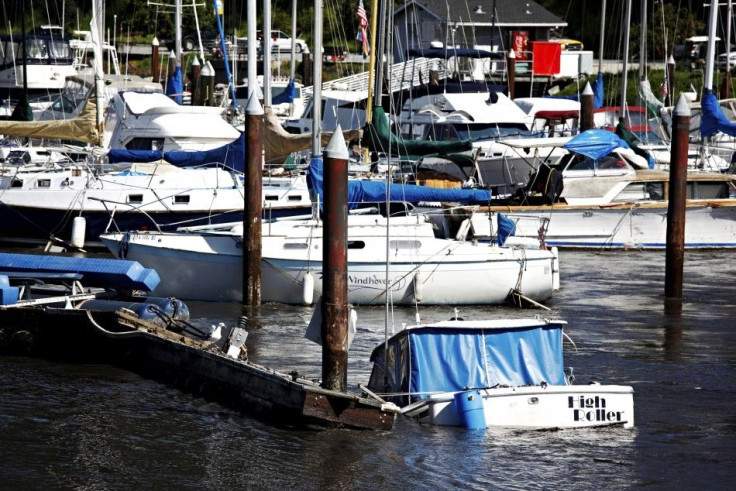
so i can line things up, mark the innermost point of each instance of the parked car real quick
(570, 44)
(280, 41)
(210, 40)
(726, 61)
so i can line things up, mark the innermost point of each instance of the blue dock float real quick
(95, 272)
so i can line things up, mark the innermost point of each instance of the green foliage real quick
(678, 24)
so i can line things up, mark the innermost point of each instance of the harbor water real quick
(67, 426)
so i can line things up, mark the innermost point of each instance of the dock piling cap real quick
(682, 108)
(253, 107)
(336, 148)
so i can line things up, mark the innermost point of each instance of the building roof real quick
(509, 13)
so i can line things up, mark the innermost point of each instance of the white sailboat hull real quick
(537, 407)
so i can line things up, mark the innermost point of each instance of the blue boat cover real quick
(447, 359)
(360, 191)
(288, 94)
(506, 228)
(175, 87)
(713, 119)
(595, 143)
(231, 155)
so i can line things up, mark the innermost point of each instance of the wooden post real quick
(253, 203)
(334, 265)
(586, 108)
(155, 70)
(207, 79)
(196, 82)
(307, 68)
(511, 72)
(671, 81)
(675, 254)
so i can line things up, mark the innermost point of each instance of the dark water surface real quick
(98, 427)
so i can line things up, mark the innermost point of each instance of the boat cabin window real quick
(145, 144)
(135, 198)
(295, 197)
(356, 244)
(707, 190)
(16, 183)
(477, 132)
(582, 163)
(182, 199)
(37, 50)
(43, 183)
(296, 245)
(405, 244)
(639, 191)
(271, 197)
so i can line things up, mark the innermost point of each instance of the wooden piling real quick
(253, 205)
(511, 72)
(586, 108)
(675, 252)
(334, 265)
(207, 81)
(196, 86)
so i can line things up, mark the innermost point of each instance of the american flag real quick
(663, 90)
(363, 24)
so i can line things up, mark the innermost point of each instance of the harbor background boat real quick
(73, 426)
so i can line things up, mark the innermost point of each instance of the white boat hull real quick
(553, 406)
(626, 226)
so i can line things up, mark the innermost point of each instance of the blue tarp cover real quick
(595, 143)
(713, 119)
(288, 95)
(441, 359)
(232, 155)
(360, 191)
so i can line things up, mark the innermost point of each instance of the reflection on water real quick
(97, 427)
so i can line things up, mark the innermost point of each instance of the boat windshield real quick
(480, 132)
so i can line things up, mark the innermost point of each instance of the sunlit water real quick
(98, 427)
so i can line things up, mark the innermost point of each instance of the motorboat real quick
(506, 373)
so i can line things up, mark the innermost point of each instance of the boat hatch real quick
(182, 199)
(135, 198)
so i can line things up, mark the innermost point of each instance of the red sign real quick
(520, 44)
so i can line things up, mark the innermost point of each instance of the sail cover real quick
(432, 359)
(362, 191)
(713, 119)
(82, 128)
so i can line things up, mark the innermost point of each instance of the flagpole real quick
(371, 63)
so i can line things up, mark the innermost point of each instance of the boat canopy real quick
(456, 355)
(364, 191)
(379, 138)
(713, 119)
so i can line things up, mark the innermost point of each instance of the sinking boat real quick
(492, 373)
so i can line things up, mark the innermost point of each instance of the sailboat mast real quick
(317, 80)
(625, 67)
(711, 51)
(266, 53)
(643, 41)
(292, 67)
(252, 49)
(372, 63)
(600, 43)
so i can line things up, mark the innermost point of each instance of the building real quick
(486, 24)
